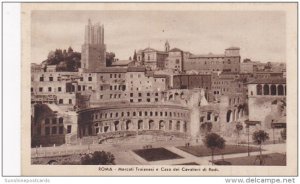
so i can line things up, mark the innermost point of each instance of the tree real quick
(98, 158)
(260, 137)
(110, 58)
(214, 141)
(238, 128)
(206, 127)
(70, 50)
(134, 56)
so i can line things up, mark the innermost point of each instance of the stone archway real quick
(151, 125)
(228, 116)
(266, 89)
(170, 97)
(178, 125)
(273, 89)
(116, 125)
(162, 125)
(140, 125)
(185, 126)
(280, 90)
(128, 125)
(258, 89)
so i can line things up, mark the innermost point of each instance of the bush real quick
(98, 158)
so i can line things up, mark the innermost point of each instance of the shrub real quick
(98, 158)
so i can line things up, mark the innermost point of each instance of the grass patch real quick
(274, 159)
(154, 154)
(202, 150)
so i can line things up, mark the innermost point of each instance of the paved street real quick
(125, 156)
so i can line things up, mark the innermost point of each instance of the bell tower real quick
(167, 46)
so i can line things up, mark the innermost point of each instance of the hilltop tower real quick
(93, 50)
(167, 46)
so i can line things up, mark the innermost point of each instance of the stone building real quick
(53, 125)
(58, 86)
(93, 53)
(138, 79)
(151, 58)
(103, 85)
(205, 64)
(193, 81)
(267, 74)
(267, 104)
(134, 117)
(35, 68)
(51, 68)
(185, 81)
(174, 61)
(248, 66)
(227, 83)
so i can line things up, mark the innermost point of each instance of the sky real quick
(260, 34)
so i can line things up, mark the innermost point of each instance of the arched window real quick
(280, 89)
(116, 124)
(266, 89)
(259, 89)
(273, 89)
(228, 116)
(178, 126)
(128, 125)
(161, 125)
(185, 127)
(151, 125)
(140, 124)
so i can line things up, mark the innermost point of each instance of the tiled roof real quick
(268, 81)
(210, 55)
(136, 69)
(149, 49)
(175, 50)
(109, 70)
(233, 48)
(160, 76)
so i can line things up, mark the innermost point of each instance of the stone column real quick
(112, 125)
(231, 118)
(194, 121)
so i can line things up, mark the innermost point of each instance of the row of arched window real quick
(141, 125)
(273, 89)
(97, 116)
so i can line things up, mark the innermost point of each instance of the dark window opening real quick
(47, 130)
(61, 130)
(69, 129)
(54, 130)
